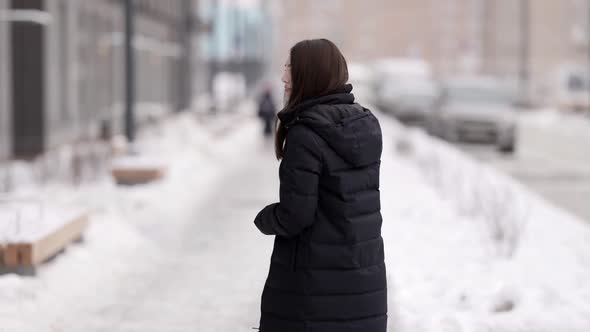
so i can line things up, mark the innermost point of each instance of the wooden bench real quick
(139, 175)
(24, 257)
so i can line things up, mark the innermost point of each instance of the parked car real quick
(573, 90)
(412, 102)
(566, 88)
(361, 78)
(476, 110)
(405, 88)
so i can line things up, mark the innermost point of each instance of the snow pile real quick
(470, 250)
(475, 190)
(28, 220)
(73, 280)
(73, 164)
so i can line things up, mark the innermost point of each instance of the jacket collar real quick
(339, 96)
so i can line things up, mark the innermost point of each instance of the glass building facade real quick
(62, 68)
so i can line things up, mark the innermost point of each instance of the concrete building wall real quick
(61, 114)
(456, 36)
(502, 38)
(557, 37)
(554, 44)
(442, 32)
(5, 94)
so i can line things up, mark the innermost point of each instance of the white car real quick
(476, 109)
(405, 88)
(410, 103)
(361, 78)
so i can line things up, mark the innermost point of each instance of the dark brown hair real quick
(317, 68)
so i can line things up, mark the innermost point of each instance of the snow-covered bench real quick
(132, 170)
(31, 232)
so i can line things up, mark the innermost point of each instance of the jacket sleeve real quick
(299, 177)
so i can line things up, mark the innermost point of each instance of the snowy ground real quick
(574, 125)
(183, 255)
(469, 250)
(551, 158)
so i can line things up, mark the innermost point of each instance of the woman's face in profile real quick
(287, 77)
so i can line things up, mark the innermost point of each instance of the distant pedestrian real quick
(327, 271)
(267, 111)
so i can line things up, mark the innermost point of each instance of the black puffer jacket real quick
(327, 271)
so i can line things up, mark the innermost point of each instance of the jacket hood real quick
(352, 131)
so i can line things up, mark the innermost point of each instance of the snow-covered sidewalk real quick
(171, 236)
(183, 255)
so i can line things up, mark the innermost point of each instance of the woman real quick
(327, 269)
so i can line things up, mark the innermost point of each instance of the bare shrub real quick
(476, 193)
